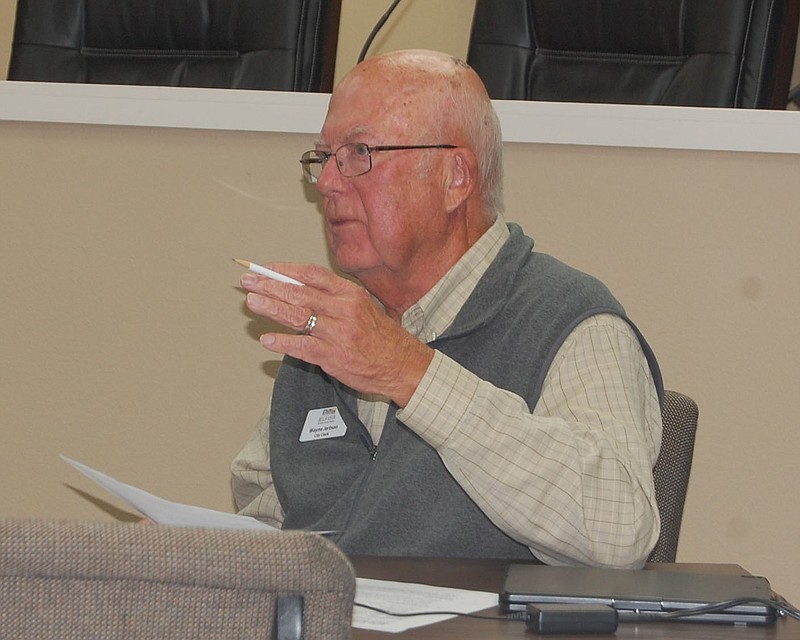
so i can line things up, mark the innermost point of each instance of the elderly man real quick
(473, 398)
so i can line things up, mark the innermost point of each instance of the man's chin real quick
(351, 267)
(352, 260)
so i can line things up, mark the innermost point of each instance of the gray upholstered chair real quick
(672, 469)
(62, 580)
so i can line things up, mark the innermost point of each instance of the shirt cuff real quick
(441, 401)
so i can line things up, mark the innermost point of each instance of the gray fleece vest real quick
(398, 499)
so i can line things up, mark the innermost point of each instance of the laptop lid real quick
(651, 590)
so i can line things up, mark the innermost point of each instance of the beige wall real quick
(125, 344)
(415, 24)
(7, 12)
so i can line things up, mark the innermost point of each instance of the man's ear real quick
(461, 177)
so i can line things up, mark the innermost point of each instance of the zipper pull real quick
(371, 448)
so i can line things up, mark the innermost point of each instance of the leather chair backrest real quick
(236, 44)
(720, 53)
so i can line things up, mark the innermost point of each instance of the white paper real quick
(163, 511)
(406, 597)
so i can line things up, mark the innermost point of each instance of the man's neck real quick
(400, 289)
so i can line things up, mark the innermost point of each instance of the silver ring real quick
(310, 324)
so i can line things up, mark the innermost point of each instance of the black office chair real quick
(712, 53)
(671, 472)
(281, 45)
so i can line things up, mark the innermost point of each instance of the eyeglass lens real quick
(352, 160)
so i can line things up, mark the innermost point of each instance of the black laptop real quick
(630, 592)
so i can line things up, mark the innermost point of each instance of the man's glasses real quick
(352, 159)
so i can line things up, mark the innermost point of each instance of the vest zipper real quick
(371, 448)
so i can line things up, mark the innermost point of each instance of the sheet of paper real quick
(405, 597)
(163, 511)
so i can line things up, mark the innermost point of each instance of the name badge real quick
(321, 424)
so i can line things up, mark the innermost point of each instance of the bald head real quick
(421, 68)
(441, 98)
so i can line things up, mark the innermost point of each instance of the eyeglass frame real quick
(306, 160)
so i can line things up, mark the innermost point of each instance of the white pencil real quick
(269, 273)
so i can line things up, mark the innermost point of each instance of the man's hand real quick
(353, 339)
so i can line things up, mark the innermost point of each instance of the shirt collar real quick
(436, 310)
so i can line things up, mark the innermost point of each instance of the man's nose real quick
(330, 177)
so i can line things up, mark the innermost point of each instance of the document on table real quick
(405, 597)
(163, 511)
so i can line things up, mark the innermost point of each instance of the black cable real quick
(411, 614)
(781, 608)
(375, 30)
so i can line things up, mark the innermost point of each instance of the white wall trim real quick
(540, 122)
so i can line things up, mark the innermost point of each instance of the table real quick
(487, 575)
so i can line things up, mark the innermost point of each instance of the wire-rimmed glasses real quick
(352, 159)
